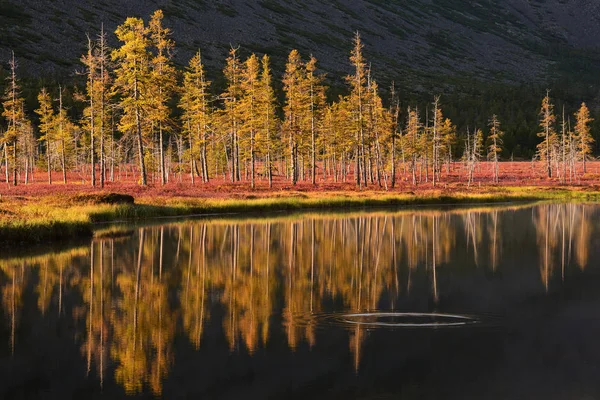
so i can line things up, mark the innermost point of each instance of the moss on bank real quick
(52, 219)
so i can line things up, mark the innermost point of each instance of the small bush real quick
(104, 198)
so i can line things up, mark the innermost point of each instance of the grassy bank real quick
(56, 218)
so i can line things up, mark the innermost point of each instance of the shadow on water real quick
(487, 302)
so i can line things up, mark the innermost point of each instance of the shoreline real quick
(58, 218)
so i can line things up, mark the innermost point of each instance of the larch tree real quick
(411, 140)
(395, 115)
(250, 114)
(47, 126)
(380, 131)
(473, 152)
(295, 102)
(316, 94)
(132, 77)
(583, 135)
(547, 133)
(195, 102)
(358, 82)
(64, 134)
(447, 140)
(14, 112)
(104, 82)
(495, 147)
(163, 83)
(90, 115)
(268, 121)
(231, 112)
(436, 124)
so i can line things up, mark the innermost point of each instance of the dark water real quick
(485, 303)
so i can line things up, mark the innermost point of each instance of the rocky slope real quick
(421, 40)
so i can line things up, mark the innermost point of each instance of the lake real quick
(493, 302)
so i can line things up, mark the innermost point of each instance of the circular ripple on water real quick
(407, 320)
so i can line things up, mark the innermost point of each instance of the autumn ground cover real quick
(39, 212)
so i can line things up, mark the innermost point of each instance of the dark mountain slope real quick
(420, 40)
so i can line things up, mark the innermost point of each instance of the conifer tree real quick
(436, 125)
(358, 90)
(316, 94)
(473, 152)
(163, 81)
(268, 122)
(132, 78)
(395, 116)
(548, 133)
(583, 135)
(90, 61)
(447, 139)
(411, 140)
(64, 134)
(104, 82)
(231, 112)
(250, 115)
(195, 101)
(293, 82)
(47, 126)
(14, 113)
(495, 148)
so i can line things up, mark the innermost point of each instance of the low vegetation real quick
(60, 218)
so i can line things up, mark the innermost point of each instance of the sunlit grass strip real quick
(174, 208)
(46, 220)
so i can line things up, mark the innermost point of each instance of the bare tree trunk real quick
(161, 154)
(140, 140)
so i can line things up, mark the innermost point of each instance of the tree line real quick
(141, 110)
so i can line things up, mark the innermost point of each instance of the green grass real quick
(59, 219)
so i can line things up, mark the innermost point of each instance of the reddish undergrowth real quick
(454, 181)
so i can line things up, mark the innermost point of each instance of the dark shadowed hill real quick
(421, 40)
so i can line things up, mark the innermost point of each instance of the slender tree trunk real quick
(15, 163)
(252, 158)
(140, 140)
(161, 154)
(313, 135)
(49, 162)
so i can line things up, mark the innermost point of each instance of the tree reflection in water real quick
(131, 297)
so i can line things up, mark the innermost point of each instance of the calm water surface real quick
(482, 303)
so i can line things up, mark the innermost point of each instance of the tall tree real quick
(495, 148)
(295, 103)
(231, 112)
(268, 123)
(163, 81)
(195, 101)
(14, 112)
(548, 133)
(132, 80)
(104, 101)
(411, 140)
(47, 126)
(64, 135)
(90, 61)
(395, 115)
(583, 134)
(358, 90)
(436, 125)
(249, 103)
(316, 94)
